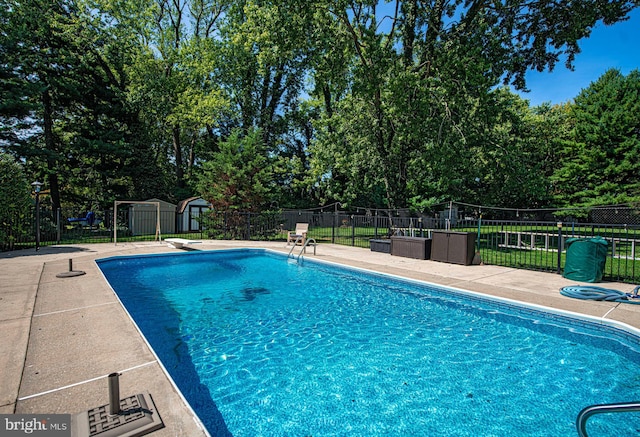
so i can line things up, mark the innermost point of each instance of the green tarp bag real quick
(586, 258)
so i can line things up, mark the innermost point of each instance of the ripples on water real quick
(285, 349)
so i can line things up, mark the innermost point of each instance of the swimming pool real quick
(260, 346)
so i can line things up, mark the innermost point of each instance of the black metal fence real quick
(531, 245)
(525, 244)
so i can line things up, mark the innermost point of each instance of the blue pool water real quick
(264, 347)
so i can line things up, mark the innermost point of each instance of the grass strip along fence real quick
(532, 245)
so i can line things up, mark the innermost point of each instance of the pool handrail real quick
(587, 412)
(300, 237)
(308, 242)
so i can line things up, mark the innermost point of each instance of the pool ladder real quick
(309, 242)
(583, 416)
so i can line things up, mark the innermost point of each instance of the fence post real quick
(353, 230)
(58, 226)
(249, 226)
(559, 247)
(375, 221)
(333, 228)
(479, 229)
(37, 219)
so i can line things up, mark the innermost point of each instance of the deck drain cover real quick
(138, 416)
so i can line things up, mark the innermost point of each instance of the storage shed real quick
(143, 218)
(189, 211)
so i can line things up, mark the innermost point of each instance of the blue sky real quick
(616, 46)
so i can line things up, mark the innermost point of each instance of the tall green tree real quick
(388, 103)
(601, 162)
(511, 151)
(240, 176)
(37, 64)
(173, 75)
(419, 72)
(76, 131)
(265, 62)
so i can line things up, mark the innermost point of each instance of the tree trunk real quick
(50, 150)
(177, 150)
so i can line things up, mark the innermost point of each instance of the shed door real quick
(194, 214)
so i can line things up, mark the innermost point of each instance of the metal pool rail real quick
(586, 413)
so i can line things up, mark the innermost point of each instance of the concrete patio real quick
(61, 337)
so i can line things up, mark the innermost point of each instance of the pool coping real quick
(40, 378)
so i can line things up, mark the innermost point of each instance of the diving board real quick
(179, 243)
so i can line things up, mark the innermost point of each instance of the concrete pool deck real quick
(61, 337)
